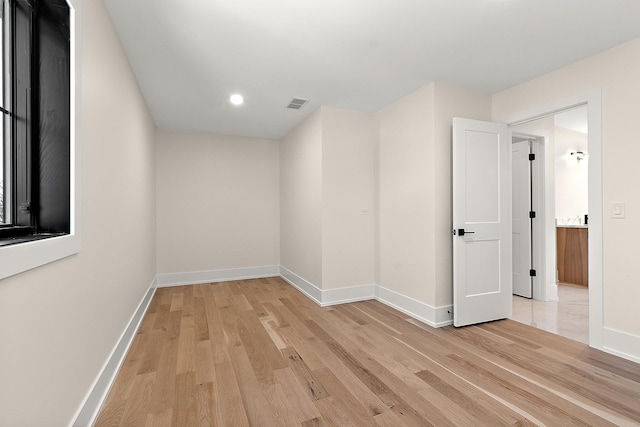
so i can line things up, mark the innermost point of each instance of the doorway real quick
(558, 181)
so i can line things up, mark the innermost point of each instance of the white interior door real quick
(521, 223)
(482, 288)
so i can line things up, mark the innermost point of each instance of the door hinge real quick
(532, 273)
(532, 157)
(532, 214)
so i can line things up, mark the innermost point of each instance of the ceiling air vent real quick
(297, 103)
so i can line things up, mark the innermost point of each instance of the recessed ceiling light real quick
(236, 99)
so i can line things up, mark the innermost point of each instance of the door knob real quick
(461, 232)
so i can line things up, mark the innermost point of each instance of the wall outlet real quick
(617, 210)
(365, 211)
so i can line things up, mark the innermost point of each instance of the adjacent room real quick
(248, 213)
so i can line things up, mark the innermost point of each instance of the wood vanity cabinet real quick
(572, 255)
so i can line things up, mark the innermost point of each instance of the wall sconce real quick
(580, 155)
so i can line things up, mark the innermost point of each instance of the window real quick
(35, 185)
(48, 19)
(3, 110)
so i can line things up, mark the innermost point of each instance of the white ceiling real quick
(189, 56)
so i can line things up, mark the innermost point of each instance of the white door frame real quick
(593, 100)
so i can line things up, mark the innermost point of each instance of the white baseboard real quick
(328, 297)
(307, 288)
(89, 409)
(433, 316)
(212, 276)
(621, 344)
(346, 295)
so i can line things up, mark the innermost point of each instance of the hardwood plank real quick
(316, 422)
(565, 375)
(204, 363)
(111, 413)
(159, 419)
(535, 402)
(205, 397)
(177, 300)
(258, 410)
(465, 401)
(229, 408)
(275, 315)
(295, 395)
(162, 396)
(222, 294)
(388, 419)
(186, 346)
(273, 330)
(152, 351)
(184, 408)
(351, 312)
(217, 335)
(200, 319)
(265, 357)
(344, 404)
(334, 413)
(135, 412)
(129, 369)
(302, 347)
(147, 322)
(311, 386)
(283, 411)
(241, 302)
(163, 296)
(371, 381)
(187, 300)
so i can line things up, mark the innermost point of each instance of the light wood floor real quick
(260, 353)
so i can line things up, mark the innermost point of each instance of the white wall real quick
(572, 176)
(217, 202)
(614, 72)
(347, 190)
(301, 200)
(60, 322)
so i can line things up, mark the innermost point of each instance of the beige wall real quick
(327, 180)
(347, 190)
(217, 202)
(450, 102)
(60, 322)
(614, 72)
(301, 200)
(414, 189)
(406, 190)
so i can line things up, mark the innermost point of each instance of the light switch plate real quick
(617, 210)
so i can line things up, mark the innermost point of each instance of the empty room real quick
(318, 213)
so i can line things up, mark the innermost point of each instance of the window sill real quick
(21, 236)
(18, 258)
